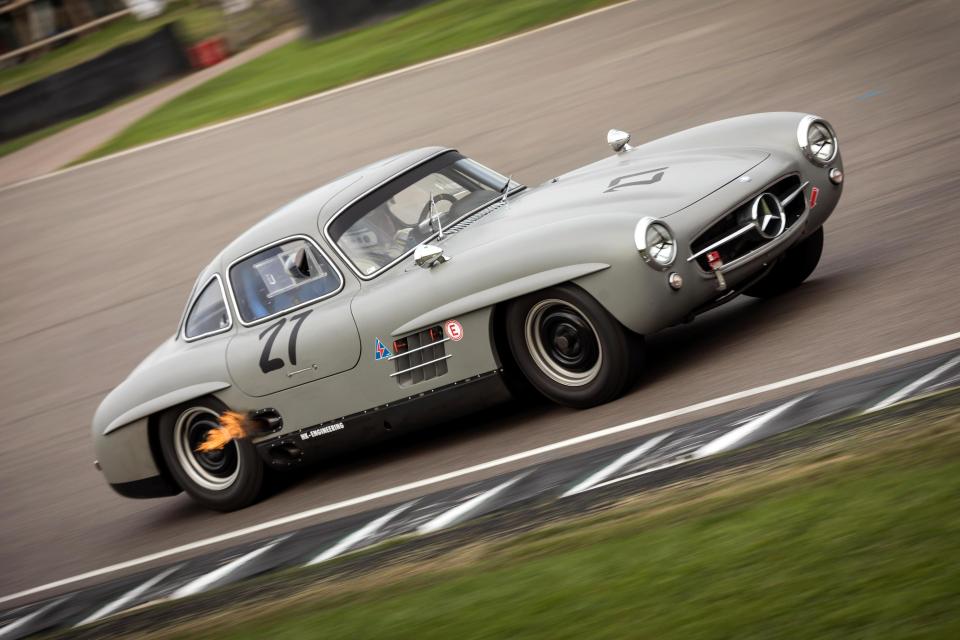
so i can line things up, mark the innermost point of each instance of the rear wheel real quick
(570, 348)
(224, 479)
(792, 269)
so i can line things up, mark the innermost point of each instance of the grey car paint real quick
(575, 228)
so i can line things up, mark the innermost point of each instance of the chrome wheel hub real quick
(563, 343)
(214, 470)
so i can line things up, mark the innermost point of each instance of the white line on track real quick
(483, 466)
(321, 95)
(9, 629)
(616, 465)
(732, 437)
(116, 605)
(359, 535)
(207, 580)
(915, 385)
(722, 443)
(461, 511)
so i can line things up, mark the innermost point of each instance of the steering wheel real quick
(440, 197)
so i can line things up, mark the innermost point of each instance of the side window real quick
(209, 312)
(280, 278)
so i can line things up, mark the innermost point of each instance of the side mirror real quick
(429, 256)
(618, 140)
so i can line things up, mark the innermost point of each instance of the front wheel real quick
(570, 348)
(224, 479)
(792, 269)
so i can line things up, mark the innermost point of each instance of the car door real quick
(293, 305)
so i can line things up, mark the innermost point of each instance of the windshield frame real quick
(380, 185)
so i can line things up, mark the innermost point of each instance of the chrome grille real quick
(739, 217)
(420, 356)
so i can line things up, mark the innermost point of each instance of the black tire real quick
(226, 480)
(570, 348)
(792, 269)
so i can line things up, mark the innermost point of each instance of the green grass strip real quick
(303, 68)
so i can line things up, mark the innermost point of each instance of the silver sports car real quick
(426, 286)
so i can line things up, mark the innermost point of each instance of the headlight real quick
(817, 140)
(655, 242)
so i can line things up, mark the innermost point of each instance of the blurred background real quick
(137, 139)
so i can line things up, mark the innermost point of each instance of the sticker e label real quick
(454, 330)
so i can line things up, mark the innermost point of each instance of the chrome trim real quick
(783, 238)
(793, 195)
(750, 198)
(226, 305)
(802, 129)
(312, 367)
(428, 256)
(760, 224)
(421, 348)
(619, 140)
(316, 245)
(403, 256)
(421, 365)
(722, 241)
(640, 240)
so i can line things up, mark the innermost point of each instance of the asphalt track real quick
(95, 263)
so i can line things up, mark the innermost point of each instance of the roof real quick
(308, 213)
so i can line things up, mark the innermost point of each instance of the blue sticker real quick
(381, 352)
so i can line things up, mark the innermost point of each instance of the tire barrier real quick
(118, 73)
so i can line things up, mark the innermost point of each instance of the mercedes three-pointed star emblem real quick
(768, 216)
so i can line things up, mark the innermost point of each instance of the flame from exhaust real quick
(233, 426)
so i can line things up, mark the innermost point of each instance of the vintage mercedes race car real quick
(410, 291)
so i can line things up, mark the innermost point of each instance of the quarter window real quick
(282, 277)
(209, 313)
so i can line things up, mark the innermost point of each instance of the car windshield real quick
(385, 225)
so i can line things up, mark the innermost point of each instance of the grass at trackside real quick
(302, 68)
(196, 22)
(859, 537)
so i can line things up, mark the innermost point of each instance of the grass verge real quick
(302, 68)
(196, 22)
(857, 537)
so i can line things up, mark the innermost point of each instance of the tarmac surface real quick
(96, 263)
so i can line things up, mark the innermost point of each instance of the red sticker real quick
(454, 330)
(813, 197)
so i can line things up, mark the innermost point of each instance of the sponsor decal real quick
(454, 330)
(813, 196)
(321, 431)
(381, 352)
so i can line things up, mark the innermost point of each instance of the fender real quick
(500, 293)
(164, 402)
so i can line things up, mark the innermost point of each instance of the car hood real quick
(657, 185)
(653, 184)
